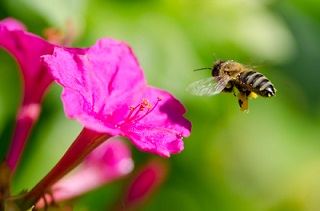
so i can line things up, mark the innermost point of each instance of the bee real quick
(228, 75)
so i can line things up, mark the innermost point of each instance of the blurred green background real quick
(268, 159)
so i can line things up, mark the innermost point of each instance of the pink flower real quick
(105, 90)
(26, 48)
(12, 24)
(142, 185)
(110, 161)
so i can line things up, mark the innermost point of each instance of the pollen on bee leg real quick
(243, 101)
(252, 95)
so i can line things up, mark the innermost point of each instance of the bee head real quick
(216, 67)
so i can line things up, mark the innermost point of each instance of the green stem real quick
(5, 176)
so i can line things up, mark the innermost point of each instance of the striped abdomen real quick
(256, 82)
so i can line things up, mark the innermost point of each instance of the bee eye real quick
(215, 71)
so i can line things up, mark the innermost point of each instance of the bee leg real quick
(243, 101)
(228, 90)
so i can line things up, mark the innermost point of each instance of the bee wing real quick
(208, 86)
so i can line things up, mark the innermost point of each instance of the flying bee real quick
(228, 75)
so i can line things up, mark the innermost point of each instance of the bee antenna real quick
(215, 57)
(204, 68)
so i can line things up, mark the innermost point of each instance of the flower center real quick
(139, 111)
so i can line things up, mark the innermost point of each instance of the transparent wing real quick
(208, 86)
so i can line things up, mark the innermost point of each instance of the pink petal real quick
(12, 24)
(112, 159)
(162, 130)
(96, 81)
(27, 48)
